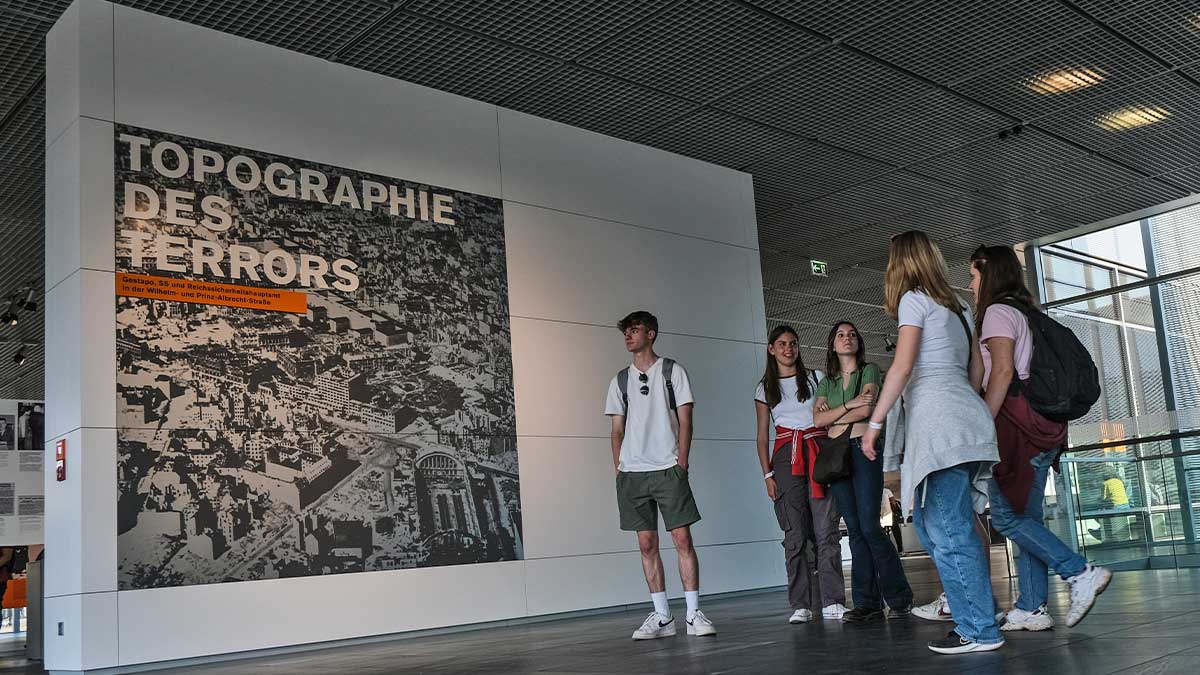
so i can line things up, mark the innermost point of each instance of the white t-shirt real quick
(651, 430)
(791, 412)
(943, 340)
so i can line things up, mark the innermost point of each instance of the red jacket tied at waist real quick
(801, 461)
(1022, 434)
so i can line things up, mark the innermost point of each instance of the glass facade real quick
(1135, 500)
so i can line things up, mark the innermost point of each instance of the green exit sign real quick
(820, 268)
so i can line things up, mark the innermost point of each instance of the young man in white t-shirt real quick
(651, 444)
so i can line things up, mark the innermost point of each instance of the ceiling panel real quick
(22, 53)
(1019, 86)
(836, 19)
(1188, 178)
(1168, 28)
(951, 40)
(701, 49)
(1105, 10)
(420, 51)
(921, 128)
(721, 138)
(831, 89)
(810, 171)
(1116, 202)
(1171, 93)
(561, 28)
(1161, 150)
(993, 161)
(587, 99)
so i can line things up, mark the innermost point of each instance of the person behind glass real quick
(949, 438)
(1029, 445)
(876, 576)
(651, 446)
(784, 397)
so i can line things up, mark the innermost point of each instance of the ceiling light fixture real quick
(1132, 117)
(19, 357)
(9, 317)
(28, 304)
(1061, 81)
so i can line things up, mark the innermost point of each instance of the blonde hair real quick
(916, 263)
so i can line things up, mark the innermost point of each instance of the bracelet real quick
(875, 425)
(769, 474)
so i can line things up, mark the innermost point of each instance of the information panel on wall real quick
(314, 369)
(22, 475)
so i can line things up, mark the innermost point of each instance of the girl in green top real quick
(844, 401)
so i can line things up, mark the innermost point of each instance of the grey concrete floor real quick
(1147, 622)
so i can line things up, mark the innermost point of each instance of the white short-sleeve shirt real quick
(651, 430)
(791, 411)
(944, 342)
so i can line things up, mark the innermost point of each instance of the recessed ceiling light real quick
(1132, 117)
(1195, 21)
(1068, 79)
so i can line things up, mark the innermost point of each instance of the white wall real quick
(596, 227)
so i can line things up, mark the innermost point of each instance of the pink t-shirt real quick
(1009, 322)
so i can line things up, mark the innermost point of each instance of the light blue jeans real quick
(944, 519)
(1040, 549)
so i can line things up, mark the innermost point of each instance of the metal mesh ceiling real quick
(856, 119)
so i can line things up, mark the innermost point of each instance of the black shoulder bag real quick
(834, 461)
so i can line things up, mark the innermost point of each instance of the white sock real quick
(693, 602)
(660, 603)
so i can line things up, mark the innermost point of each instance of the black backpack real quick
(623, 385)
(1063, 382)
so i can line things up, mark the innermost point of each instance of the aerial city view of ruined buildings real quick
(374, 432)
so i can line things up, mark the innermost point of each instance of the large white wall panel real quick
(563, 167)
(587, 270)
(562, 372)
(82, 164)
(197, 82)
(596, 227)
(81, 349)
(579, 582)
(79, 67)
(569, 502)
(172, 623)
(86, 563)
(89, 638)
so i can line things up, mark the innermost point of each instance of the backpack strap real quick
(963, 320)
(668, 367)
(623, 386)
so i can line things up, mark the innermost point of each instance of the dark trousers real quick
(876, 575)
(801, 515)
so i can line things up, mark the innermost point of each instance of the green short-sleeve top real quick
(836, 393)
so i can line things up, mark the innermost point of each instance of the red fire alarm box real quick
(60, 459)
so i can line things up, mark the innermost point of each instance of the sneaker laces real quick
(651, 621)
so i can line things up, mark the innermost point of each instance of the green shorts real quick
(642, 494)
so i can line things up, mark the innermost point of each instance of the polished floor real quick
(1147, 622)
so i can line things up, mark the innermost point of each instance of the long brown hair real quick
(916, 263)
(833, 365)
(1000, 276)
(770, 378)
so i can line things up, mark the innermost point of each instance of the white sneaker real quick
(834, 611)
(699, 625)
(1085, 586)
(801, 616)
(938, 610)
(655, 626)
(1019, 619)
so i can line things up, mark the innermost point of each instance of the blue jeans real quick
(1040, 549)
(944, 519)
(876, 575)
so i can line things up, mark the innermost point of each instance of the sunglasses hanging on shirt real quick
(643, 378)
